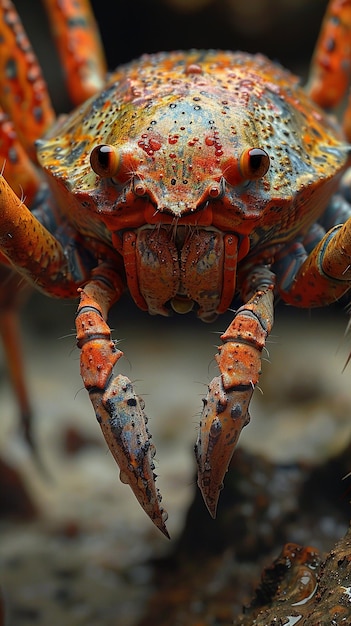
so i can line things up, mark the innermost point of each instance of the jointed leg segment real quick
(118, 409)
(226, 406)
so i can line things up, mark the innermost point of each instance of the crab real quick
(188, 178)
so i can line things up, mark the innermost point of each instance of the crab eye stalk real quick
(105, 160)
(253, 163)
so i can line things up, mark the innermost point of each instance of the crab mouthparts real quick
(178, 267)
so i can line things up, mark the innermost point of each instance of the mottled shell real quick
(181, 122)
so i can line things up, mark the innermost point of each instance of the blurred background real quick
(284, 30)
(75, 547)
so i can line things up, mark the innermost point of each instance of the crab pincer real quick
(119, 411)
(225, 411)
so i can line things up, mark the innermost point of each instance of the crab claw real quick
(224, 416)
(225, 411)
(120, 413)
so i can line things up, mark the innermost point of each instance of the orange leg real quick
(23, 93)
(18, 169)
(118, 409)
(9, 328)
(330, 68)
(79, 46)
(33, 250)
(330, 71)
(225, 410)
(325, 274)
(14, 291)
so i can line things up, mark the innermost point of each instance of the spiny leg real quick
(34, 251)
(226, 405)
(118, 409)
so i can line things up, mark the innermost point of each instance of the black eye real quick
(253, 163)
(105, 160)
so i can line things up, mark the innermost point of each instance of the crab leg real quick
(14, 291)
(330, 68)
(32, 249)
(324, 275)
(18, 169)
(23, 93)
(225, 410)
(118, 409)
(78, 42)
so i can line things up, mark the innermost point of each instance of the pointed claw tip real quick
(165, 532)
(160, 520)
(211, 505)
(212, 511)
(209, 499)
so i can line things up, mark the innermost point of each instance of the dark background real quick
(283, 30)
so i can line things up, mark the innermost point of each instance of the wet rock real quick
(332, 603)
(287, 586)
(300, 588)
